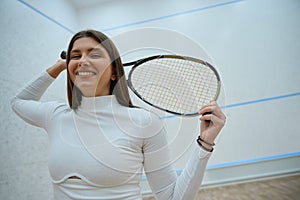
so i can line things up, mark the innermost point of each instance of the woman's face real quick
(90, 67)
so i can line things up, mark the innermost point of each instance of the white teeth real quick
(85, 73)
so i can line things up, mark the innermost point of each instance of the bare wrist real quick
(56, 69)
(205, 145)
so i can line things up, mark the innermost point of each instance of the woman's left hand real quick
(212, 121)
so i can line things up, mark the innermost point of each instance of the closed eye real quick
(95, 55)
(75, 57)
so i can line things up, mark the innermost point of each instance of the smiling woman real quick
(95, 51)
(101, 144)
(90, 68)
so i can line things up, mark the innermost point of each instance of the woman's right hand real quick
(57, 68)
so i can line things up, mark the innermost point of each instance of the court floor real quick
(287, 188)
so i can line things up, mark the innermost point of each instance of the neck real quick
(97, 102)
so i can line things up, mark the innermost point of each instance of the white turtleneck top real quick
(108, 146)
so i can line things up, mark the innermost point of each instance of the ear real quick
(113, 75)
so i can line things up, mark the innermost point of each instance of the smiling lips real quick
(85, 74)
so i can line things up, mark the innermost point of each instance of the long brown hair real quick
(118, 87)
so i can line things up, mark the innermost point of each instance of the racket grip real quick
(207, 113)
(63, 55)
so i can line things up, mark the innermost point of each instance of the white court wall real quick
(29, 44)
(253, 43)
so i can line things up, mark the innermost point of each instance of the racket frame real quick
(137, 63)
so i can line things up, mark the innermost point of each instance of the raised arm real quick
(162, 177)
(57, 68)
(26, 103)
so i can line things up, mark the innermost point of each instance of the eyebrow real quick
(89, 50)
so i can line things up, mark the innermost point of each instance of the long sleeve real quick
(26, 103)
(190, 179)
(162, 177)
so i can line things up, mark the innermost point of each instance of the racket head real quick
(179, 85)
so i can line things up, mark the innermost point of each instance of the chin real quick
(86, 89)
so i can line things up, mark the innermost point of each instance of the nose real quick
(83, 60)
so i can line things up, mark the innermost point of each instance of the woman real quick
(100, 143)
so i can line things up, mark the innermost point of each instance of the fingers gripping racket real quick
(176, 84)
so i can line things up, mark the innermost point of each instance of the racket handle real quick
(207, 113)
(63, 55)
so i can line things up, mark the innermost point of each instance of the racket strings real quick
(175, 80)
(177, 85)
